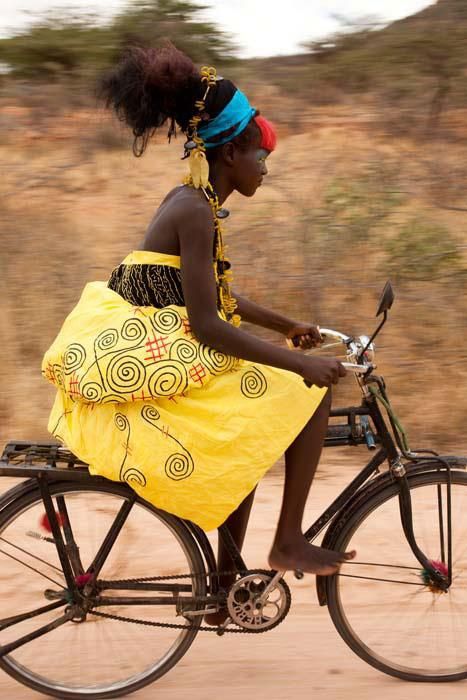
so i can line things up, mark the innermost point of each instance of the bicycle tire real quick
(350, 600)
(171, 527)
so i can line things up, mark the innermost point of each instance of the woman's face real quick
(250, 169)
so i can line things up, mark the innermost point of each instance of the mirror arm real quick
(385, 316)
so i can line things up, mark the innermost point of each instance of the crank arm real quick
(197, 613)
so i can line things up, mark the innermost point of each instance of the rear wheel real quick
(384, 605)
(94, 657)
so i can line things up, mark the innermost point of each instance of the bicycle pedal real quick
(298, 573)
(222, 628)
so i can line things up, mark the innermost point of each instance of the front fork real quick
(438, 578)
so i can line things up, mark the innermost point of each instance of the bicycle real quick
(398, 606)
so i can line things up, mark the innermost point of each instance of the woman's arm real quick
(307, 334)
(199, 288)
(260, 316)
(196, 238)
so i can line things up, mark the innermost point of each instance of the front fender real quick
(367, 491)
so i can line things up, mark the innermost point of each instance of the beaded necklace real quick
(222, 272)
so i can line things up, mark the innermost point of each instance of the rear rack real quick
(27, 459)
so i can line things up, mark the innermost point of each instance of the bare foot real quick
(307, 558)
(220, 616)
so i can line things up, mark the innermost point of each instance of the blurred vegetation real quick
(424, 251)
(412, 70)
(76, 46)
(369, 181)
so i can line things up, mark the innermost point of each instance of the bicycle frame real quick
(352, 434)
(355, 431)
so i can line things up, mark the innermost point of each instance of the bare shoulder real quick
(193, 219)
(184, 216)
(191, 205)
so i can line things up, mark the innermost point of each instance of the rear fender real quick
(205, 548)
(17, 491)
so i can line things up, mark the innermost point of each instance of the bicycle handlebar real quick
(328, 332)
(354, 348)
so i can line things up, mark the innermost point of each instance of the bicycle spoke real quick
(29, 554)
(416, 633)
(389, 566)
(110, 529)
(382, 580)
(23, 563)
(10, 621)
(8, 648)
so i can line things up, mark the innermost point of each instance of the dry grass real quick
(74, 202)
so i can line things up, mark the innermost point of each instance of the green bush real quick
(423, 251)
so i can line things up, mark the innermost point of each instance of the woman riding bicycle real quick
(158, 384)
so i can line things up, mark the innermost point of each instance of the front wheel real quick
(94, 657)
(384, 605)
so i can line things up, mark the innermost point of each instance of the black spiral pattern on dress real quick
(106, 340)
(150, 414)
(179, 466)
(166, 320)
(133, 330)
(125, 374)
(169, 379)
(113, 398)
(73, 357)
(122, 422)
(215, 360)
(128, 474)
(253, 383)
(183, 350)
(133, 476)
(92, 391)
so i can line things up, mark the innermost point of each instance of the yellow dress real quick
(190, 429)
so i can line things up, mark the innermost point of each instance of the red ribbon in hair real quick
(268, 133)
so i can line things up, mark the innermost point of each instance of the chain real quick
(147, 579)
(173, 625)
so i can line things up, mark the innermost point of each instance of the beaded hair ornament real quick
(198, 178)
(195, 151)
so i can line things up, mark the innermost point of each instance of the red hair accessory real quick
(268, 133)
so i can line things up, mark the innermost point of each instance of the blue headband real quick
(238, 112)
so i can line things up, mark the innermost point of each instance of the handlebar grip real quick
(357, 369)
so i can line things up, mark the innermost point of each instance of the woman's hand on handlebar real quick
(321, 371)
(304, 335)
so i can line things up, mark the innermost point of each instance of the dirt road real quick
(303, 658)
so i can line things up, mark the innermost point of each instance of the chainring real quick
(244, 605)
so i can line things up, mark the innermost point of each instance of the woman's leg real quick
(237, 523)
(290, 549)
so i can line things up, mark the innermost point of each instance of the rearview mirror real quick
(386, 300)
